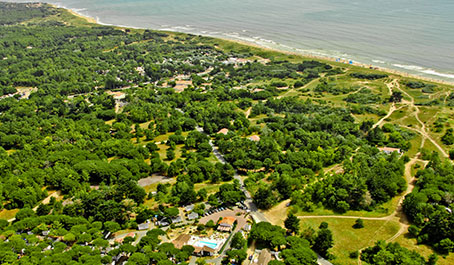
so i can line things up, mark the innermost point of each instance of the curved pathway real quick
(398, 214)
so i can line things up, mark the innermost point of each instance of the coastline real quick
(300, 54)
(75, 13)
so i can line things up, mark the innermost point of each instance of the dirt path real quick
(248, 112)
(393, 108)
(47, 199)
(425, 135)
(398, 214)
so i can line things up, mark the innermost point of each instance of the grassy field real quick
(406, 241)
(348, 239)
(8, 214)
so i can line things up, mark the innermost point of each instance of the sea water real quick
(414, 36)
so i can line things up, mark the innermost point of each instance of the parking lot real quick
(241, 220)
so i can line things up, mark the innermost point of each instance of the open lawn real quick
(277, 214)
(209, 187)
(8, 214)
(348, 239)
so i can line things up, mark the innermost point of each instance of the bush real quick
(24, 213)
(451, 154)
(359, 223)
(368, 76)
(298, 84)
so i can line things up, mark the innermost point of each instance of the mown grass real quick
(348, 239)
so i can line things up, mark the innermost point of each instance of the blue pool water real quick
(208, 244)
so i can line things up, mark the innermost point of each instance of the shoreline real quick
(75, 13)
(258, 46)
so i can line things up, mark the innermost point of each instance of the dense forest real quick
(89, 110)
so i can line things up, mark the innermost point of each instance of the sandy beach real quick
(302, 55)
(88, 19)
(332, 59)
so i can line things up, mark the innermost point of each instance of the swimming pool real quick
(212, 245)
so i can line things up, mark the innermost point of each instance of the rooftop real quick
(224, 131)
(389, 149)
(228, 220)
(181, 240)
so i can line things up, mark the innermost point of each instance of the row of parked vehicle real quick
(212, 211)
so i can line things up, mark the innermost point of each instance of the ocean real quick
(413, 36)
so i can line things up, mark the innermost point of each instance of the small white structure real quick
(177, 219)
(390, 150)
(189, 208)
(143, 226)
(193, 216)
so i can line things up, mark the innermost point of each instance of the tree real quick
(445, 246)
(359, 223)
(264, 198)
(292, 223)
(24, 213)
(171, 212)
(270, 235)
(111, 226)
(170, 154)
(43, 209)
(324, 240)
(238, 241)
(238, 255)
(202, 194)
(448, 137)
(396, 97)
(69, 237)
(451, 154)
(392, 254)
(139, 259)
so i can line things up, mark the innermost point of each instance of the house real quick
(390, 150)
(254, 138)
(181, 240)
(223, 131)
(189, 208)
(226, 224)
(204, 251)
(162, 223)
(143, 226)
(264, 257)
(177, 219)
(193, 216)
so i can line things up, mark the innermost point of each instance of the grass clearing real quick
(277, 214)
(348, 239)
(8, 214)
